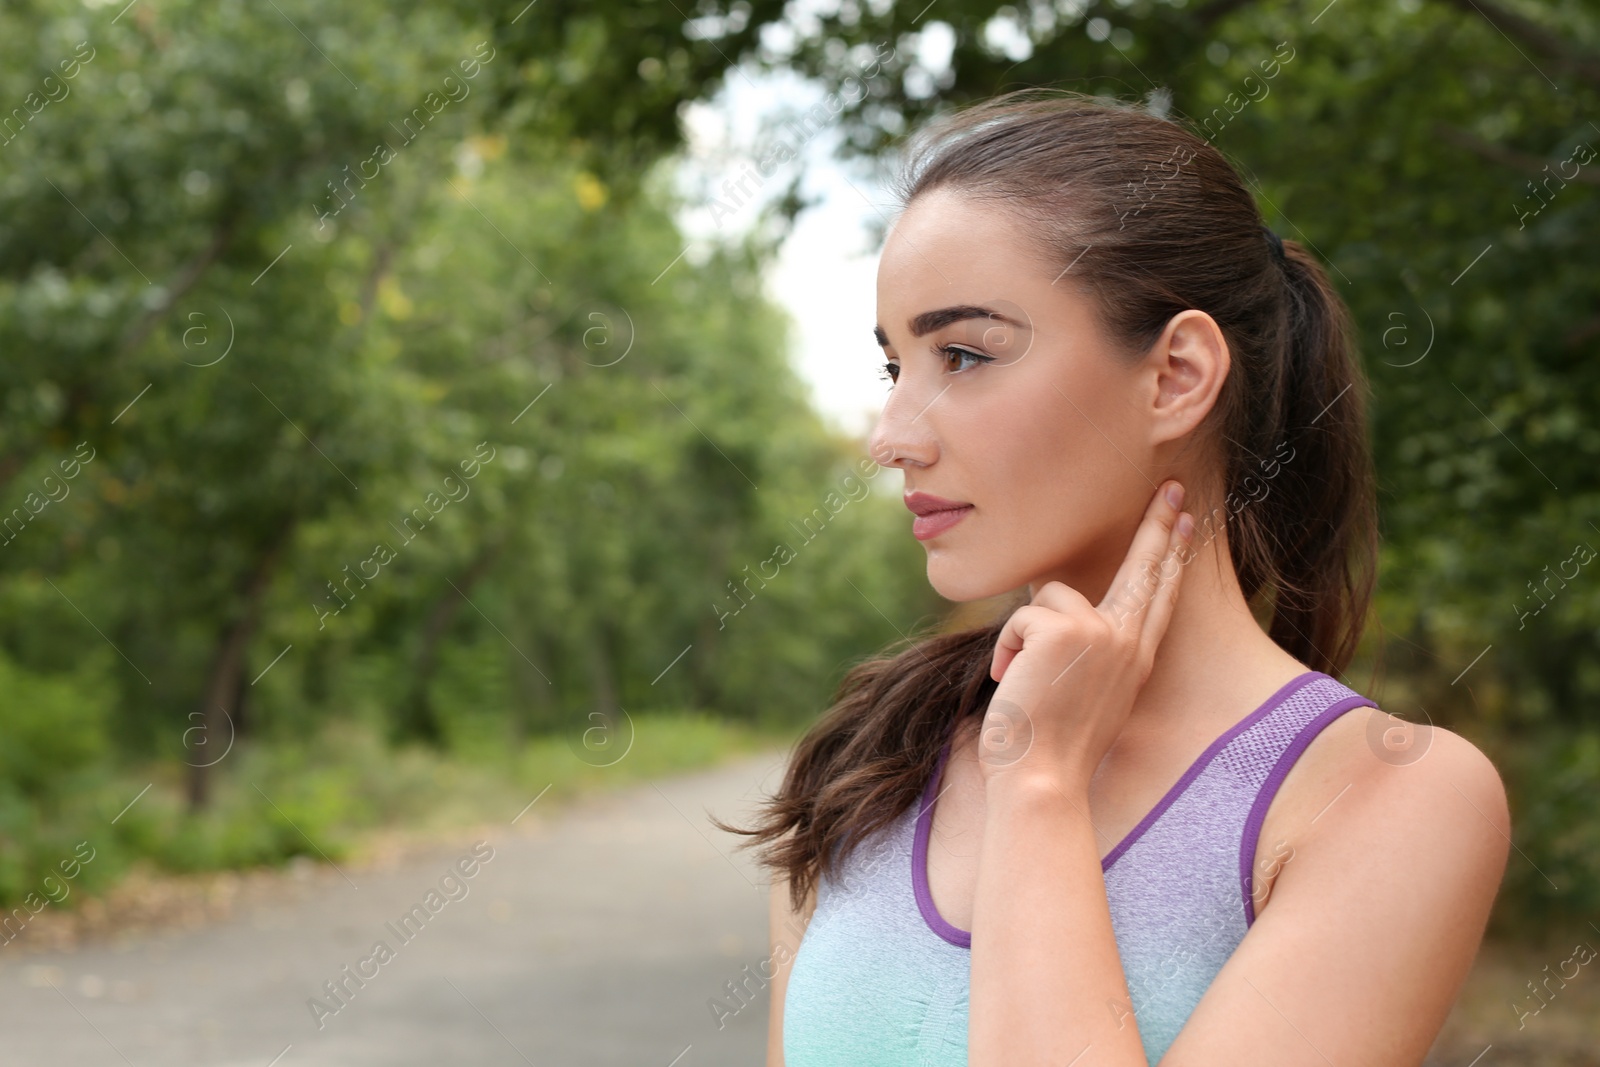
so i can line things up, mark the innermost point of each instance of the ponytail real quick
(1308, 536)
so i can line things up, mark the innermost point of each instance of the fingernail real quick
(1175, 495)
(1185, 526)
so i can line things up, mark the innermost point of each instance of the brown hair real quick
(1149, 219)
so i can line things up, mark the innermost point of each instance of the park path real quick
(596, 934)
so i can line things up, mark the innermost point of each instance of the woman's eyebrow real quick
(928, 321)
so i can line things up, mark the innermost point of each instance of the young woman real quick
(1136, 818)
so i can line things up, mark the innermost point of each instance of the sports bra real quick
(881, 979)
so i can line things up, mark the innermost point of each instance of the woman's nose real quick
(902, 437)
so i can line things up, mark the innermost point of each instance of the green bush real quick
(52, 727)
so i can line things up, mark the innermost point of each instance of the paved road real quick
(596, 934)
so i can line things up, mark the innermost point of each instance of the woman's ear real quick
(1189, 362)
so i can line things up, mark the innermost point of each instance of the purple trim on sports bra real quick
(919, 847)
(1251, 837)
(919, 863)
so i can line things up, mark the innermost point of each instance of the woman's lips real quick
(934, 514)
(934, 523)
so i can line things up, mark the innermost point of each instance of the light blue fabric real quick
(881, 979)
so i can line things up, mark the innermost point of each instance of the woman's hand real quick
(1069, 670)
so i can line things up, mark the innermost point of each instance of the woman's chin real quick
(958, 582)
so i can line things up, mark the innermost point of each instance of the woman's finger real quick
(1010, 641)
(1139, 578)
(1059, 596)
(1173, 566)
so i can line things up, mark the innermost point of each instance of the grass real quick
(337, 797)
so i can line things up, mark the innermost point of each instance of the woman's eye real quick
(951, 352)
(890, 372)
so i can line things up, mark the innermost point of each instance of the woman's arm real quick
(1370, 935)
(1047, 984)
(1374, 925)
(782, 921)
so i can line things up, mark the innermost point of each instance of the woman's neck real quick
(1214, 663)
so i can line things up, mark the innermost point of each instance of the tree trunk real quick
(705, 680)
(604, 726)
(227, 666)
(533, 693)
(417, 718)
(241, 699)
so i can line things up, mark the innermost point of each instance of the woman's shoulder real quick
(1379, 766)
(1376, 805)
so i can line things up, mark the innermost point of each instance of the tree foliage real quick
(344, 383)
(269, 275)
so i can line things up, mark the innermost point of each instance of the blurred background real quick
(440, 427)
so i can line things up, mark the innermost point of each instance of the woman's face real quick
(1030, 418)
